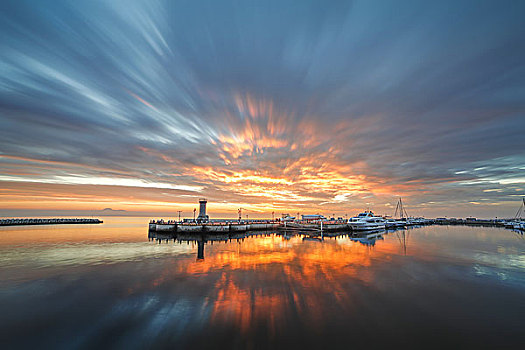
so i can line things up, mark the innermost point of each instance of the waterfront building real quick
(313, 217)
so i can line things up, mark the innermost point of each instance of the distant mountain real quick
(114, 210)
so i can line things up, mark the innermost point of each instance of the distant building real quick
(313, 217)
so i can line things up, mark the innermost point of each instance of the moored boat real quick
(394, 223)
(366, 221)
(520, 225)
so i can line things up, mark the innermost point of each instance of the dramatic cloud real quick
(271, 106)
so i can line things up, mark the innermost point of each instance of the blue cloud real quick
(413, 90)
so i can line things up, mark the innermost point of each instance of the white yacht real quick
(366, 221)
(394, 223)
(416, 221)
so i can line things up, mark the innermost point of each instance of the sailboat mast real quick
(520, 210)
(404, 213)
(399, 208)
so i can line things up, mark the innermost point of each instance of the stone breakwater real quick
(54, 221)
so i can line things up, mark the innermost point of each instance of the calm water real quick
(108, 286)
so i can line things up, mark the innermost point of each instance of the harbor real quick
(365, 221)
(224, 175)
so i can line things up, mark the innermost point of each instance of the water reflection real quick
(273, 285)
(402, 236)
(365, 238)
(368, 238)
(268, 290)
(200, 250)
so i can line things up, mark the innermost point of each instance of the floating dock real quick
(55, 221)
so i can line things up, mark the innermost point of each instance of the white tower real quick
(202, 211)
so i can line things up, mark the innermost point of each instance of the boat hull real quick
(366, 226)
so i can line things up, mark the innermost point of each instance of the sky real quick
(271, 106)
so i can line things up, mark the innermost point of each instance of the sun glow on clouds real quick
(156, 103)
(291, 162)
(305, 184)
(238, 176)
(255, 127)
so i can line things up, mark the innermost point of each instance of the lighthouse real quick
(202, 218)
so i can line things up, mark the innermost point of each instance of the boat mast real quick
(403, 241)
(402, 211)
(520, 210)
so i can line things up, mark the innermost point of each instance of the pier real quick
(313, 223)
(54, 221)
(211, 227)
(228, 227)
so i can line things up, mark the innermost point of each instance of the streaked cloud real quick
(281, 105)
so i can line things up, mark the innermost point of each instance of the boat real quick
(366, 221)
(394, 223)
(402, 214)
(416, 221)
(520, 225)
(517, 223)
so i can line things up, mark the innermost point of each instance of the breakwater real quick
(54, 221)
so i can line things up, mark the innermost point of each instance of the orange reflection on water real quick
(263, 279)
